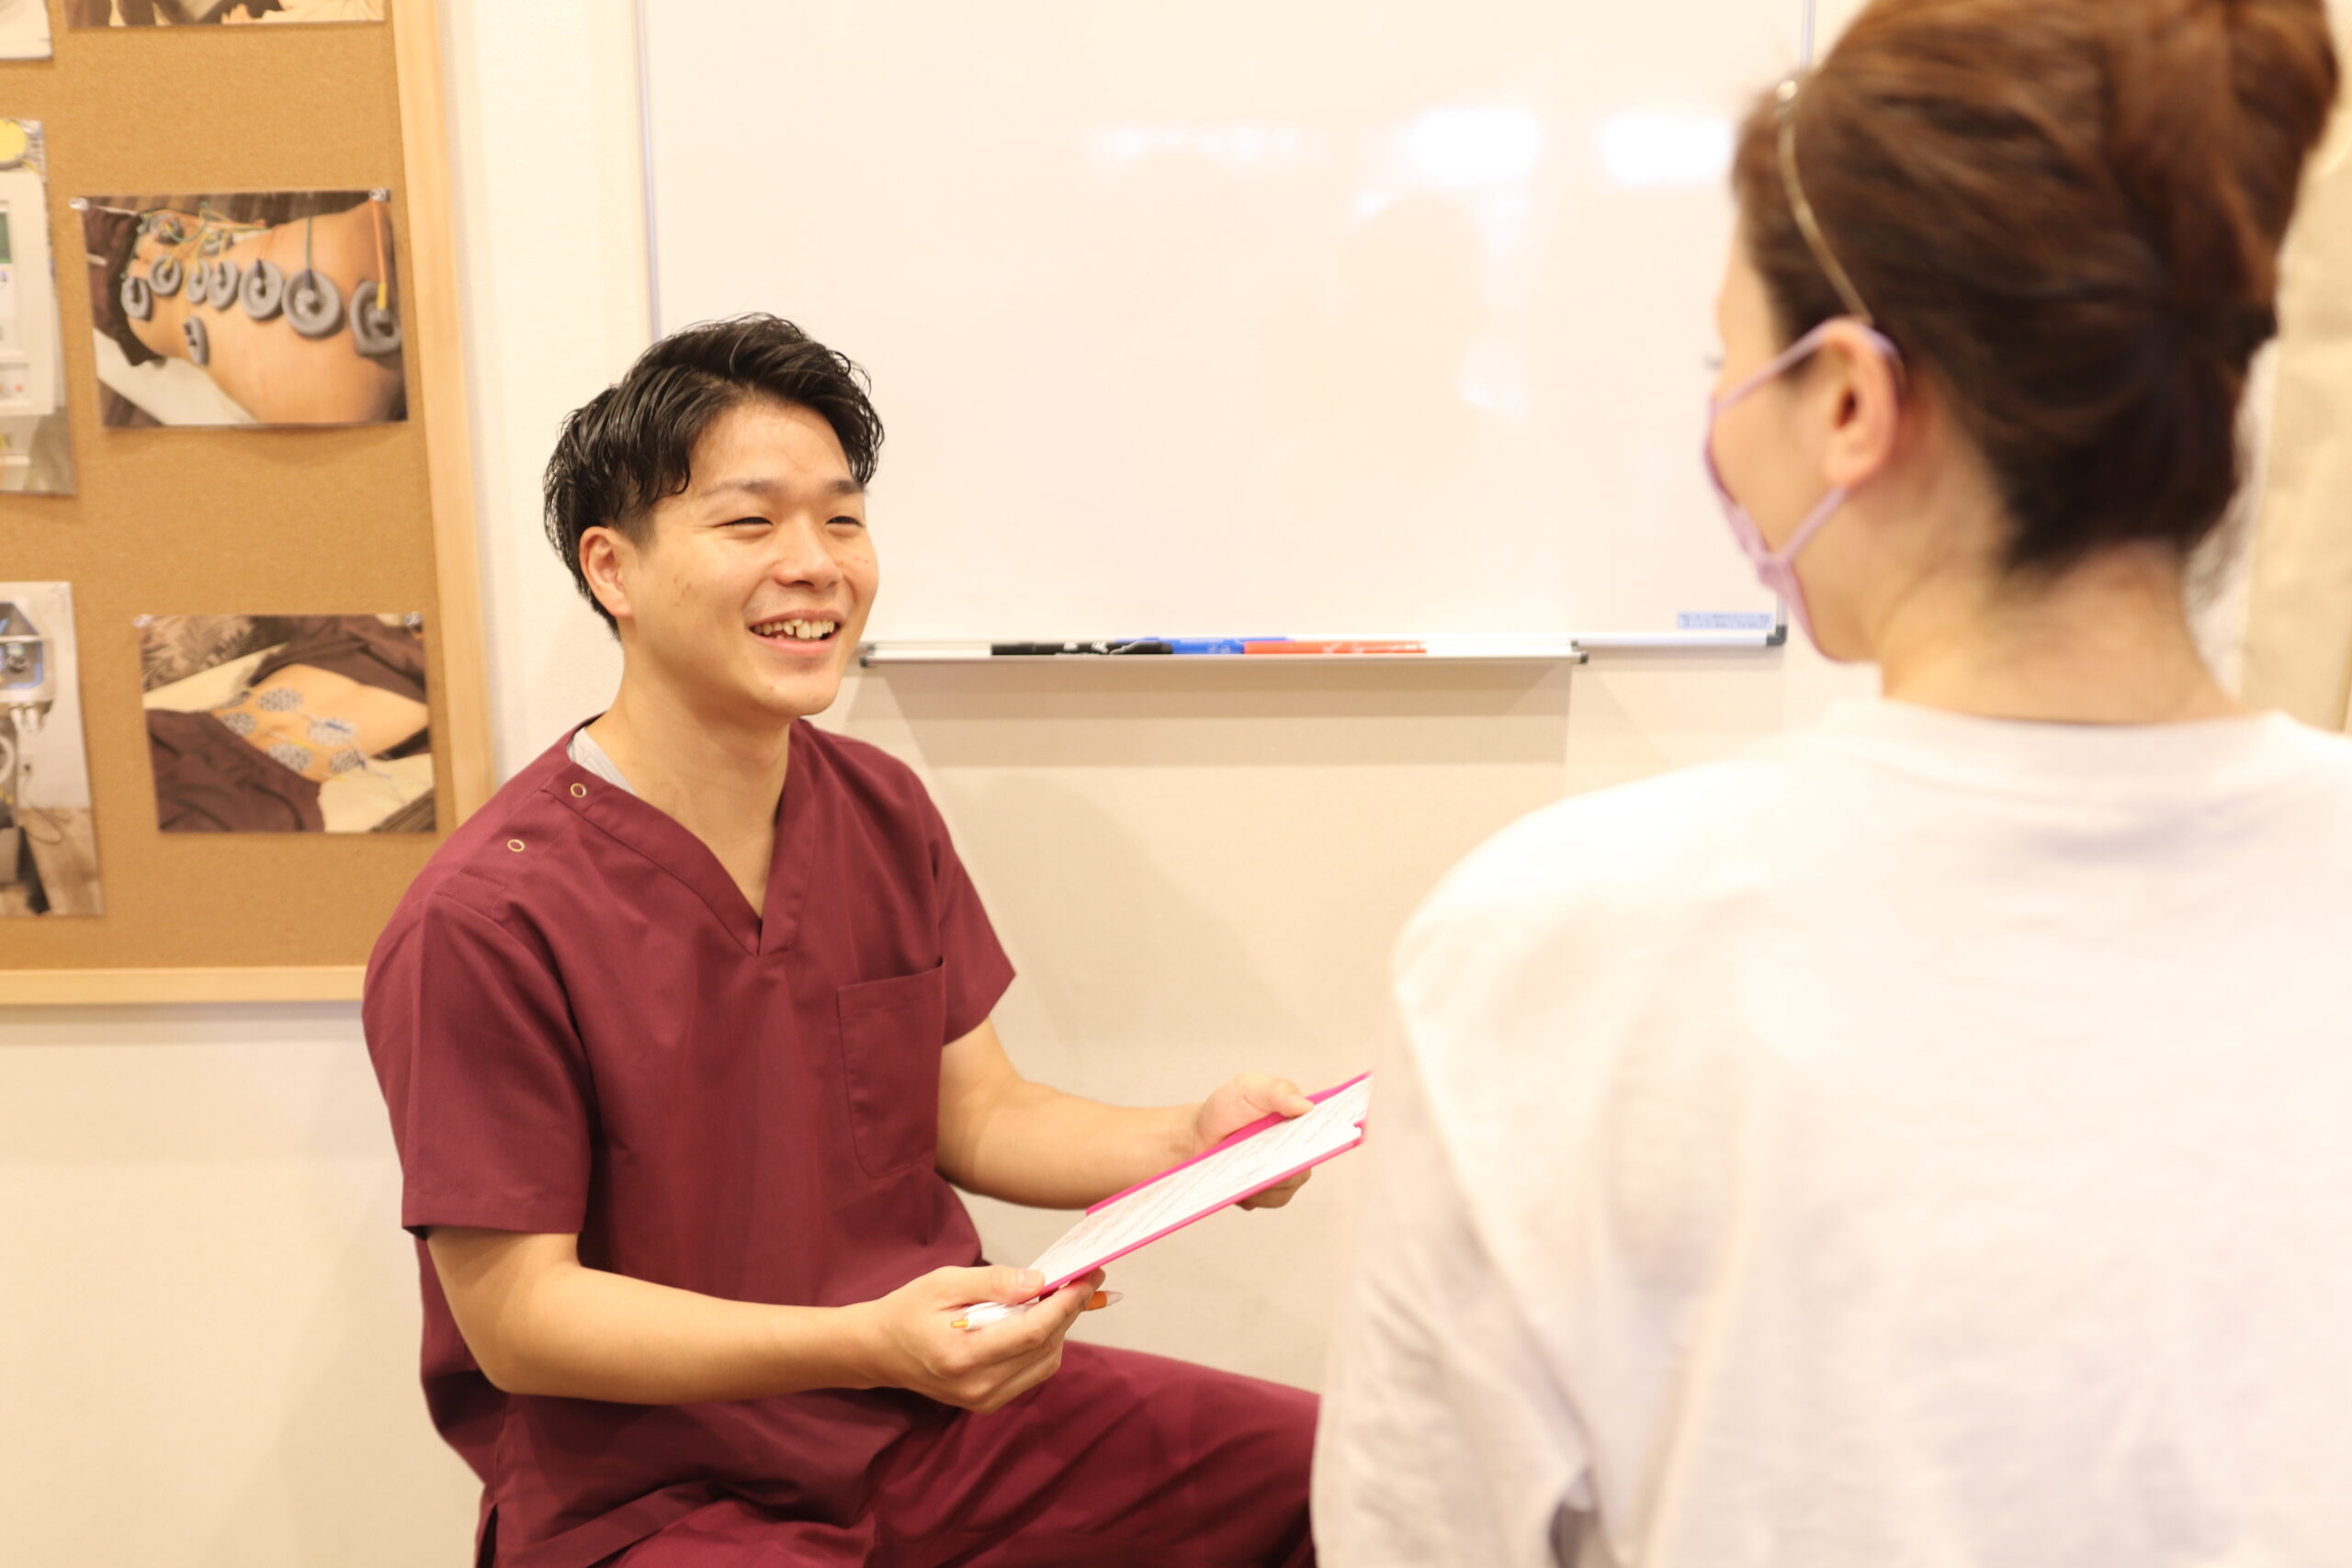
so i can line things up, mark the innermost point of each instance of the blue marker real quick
(1213, 644)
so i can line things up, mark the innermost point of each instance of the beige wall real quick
(207, 1311)
(2299, 640)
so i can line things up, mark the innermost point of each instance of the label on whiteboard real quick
(1724, 621)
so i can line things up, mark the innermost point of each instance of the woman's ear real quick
(1868, 386)
(604, 555)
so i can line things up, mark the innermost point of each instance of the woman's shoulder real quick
(1655, 838)
(1875, 789)
(2324, 755)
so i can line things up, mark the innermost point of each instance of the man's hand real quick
(979, 1370)
(1240, 1102)
(1005, 1137)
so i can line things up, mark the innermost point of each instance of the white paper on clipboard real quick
(1262, 1154)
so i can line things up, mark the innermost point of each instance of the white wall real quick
(207, 1314)
(207, 1311)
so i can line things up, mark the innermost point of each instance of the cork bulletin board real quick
(326, 523)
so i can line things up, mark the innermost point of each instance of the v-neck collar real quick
(673, 846)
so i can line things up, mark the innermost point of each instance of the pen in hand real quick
(986, 1313)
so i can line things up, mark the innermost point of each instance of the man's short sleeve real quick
(489, 1090)
(978, 971)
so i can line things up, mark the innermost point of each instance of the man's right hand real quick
(980, 1370)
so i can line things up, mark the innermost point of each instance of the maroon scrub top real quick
(581, 1027)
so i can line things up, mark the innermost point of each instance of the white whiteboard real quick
(1239, 317)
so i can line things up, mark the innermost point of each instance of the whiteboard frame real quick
(907, 652)
(926, 652)
(1506, 650)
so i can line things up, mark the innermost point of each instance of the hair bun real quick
(2070, 215)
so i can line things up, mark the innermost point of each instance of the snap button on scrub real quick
(515, 844)
(579, 792)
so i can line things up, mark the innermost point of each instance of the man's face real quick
(752, 587)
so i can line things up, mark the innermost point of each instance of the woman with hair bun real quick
(1926, 1138)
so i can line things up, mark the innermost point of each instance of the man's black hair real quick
(632, 445)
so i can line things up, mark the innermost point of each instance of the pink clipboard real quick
(1187, 1213)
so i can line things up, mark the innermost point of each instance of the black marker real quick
(1056, 650)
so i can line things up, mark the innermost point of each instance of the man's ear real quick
(603, 555)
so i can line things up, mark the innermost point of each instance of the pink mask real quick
(1778, 570)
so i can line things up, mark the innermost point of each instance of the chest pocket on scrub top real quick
(892, 1033)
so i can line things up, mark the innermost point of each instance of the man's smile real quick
(797, 631)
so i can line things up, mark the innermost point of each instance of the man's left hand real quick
(1237, 1103)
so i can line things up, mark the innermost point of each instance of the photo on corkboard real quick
(48, 856)
(24, 29)
(36, 444)
(261, 308)
(288, 723)
(200, 13)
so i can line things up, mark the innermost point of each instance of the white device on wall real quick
(24, 29)
(27, 673)
(28, 323)
(27, 689)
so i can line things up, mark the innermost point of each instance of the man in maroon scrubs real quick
(685, 1037)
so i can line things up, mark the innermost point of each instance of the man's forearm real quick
(1041, 1147)
(569, 1331)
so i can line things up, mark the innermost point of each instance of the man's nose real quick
(803, 555)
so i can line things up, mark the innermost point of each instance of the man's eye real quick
(745, 523)
(846, 523)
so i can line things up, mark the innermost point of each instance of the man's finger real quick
(1274, 1094)
(1013, 1286)
(1019, 1375)
(1029, 1377)
(1069, 1302)
(1045, 1322)
(1275, 1196)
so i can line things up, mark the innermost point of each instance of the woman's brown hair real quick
(2068, 213)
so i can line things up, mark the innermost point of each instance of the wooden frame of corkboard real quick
(344, 520)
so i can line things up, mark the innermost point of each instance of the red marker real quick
(1334, 648)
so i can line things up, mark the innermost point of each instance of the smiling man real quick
(685, 1037)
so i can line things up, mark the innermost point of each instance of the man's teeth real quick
(808, 631)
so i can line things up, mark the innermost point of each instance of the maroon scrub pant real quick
(1118, 1461)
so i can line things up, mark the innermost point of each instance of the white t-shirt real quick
(587, 752)
(1922, 1140)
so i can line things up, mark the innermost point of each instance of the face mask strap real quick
(1796, 353)
(1798, 350)
(1814, 523)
